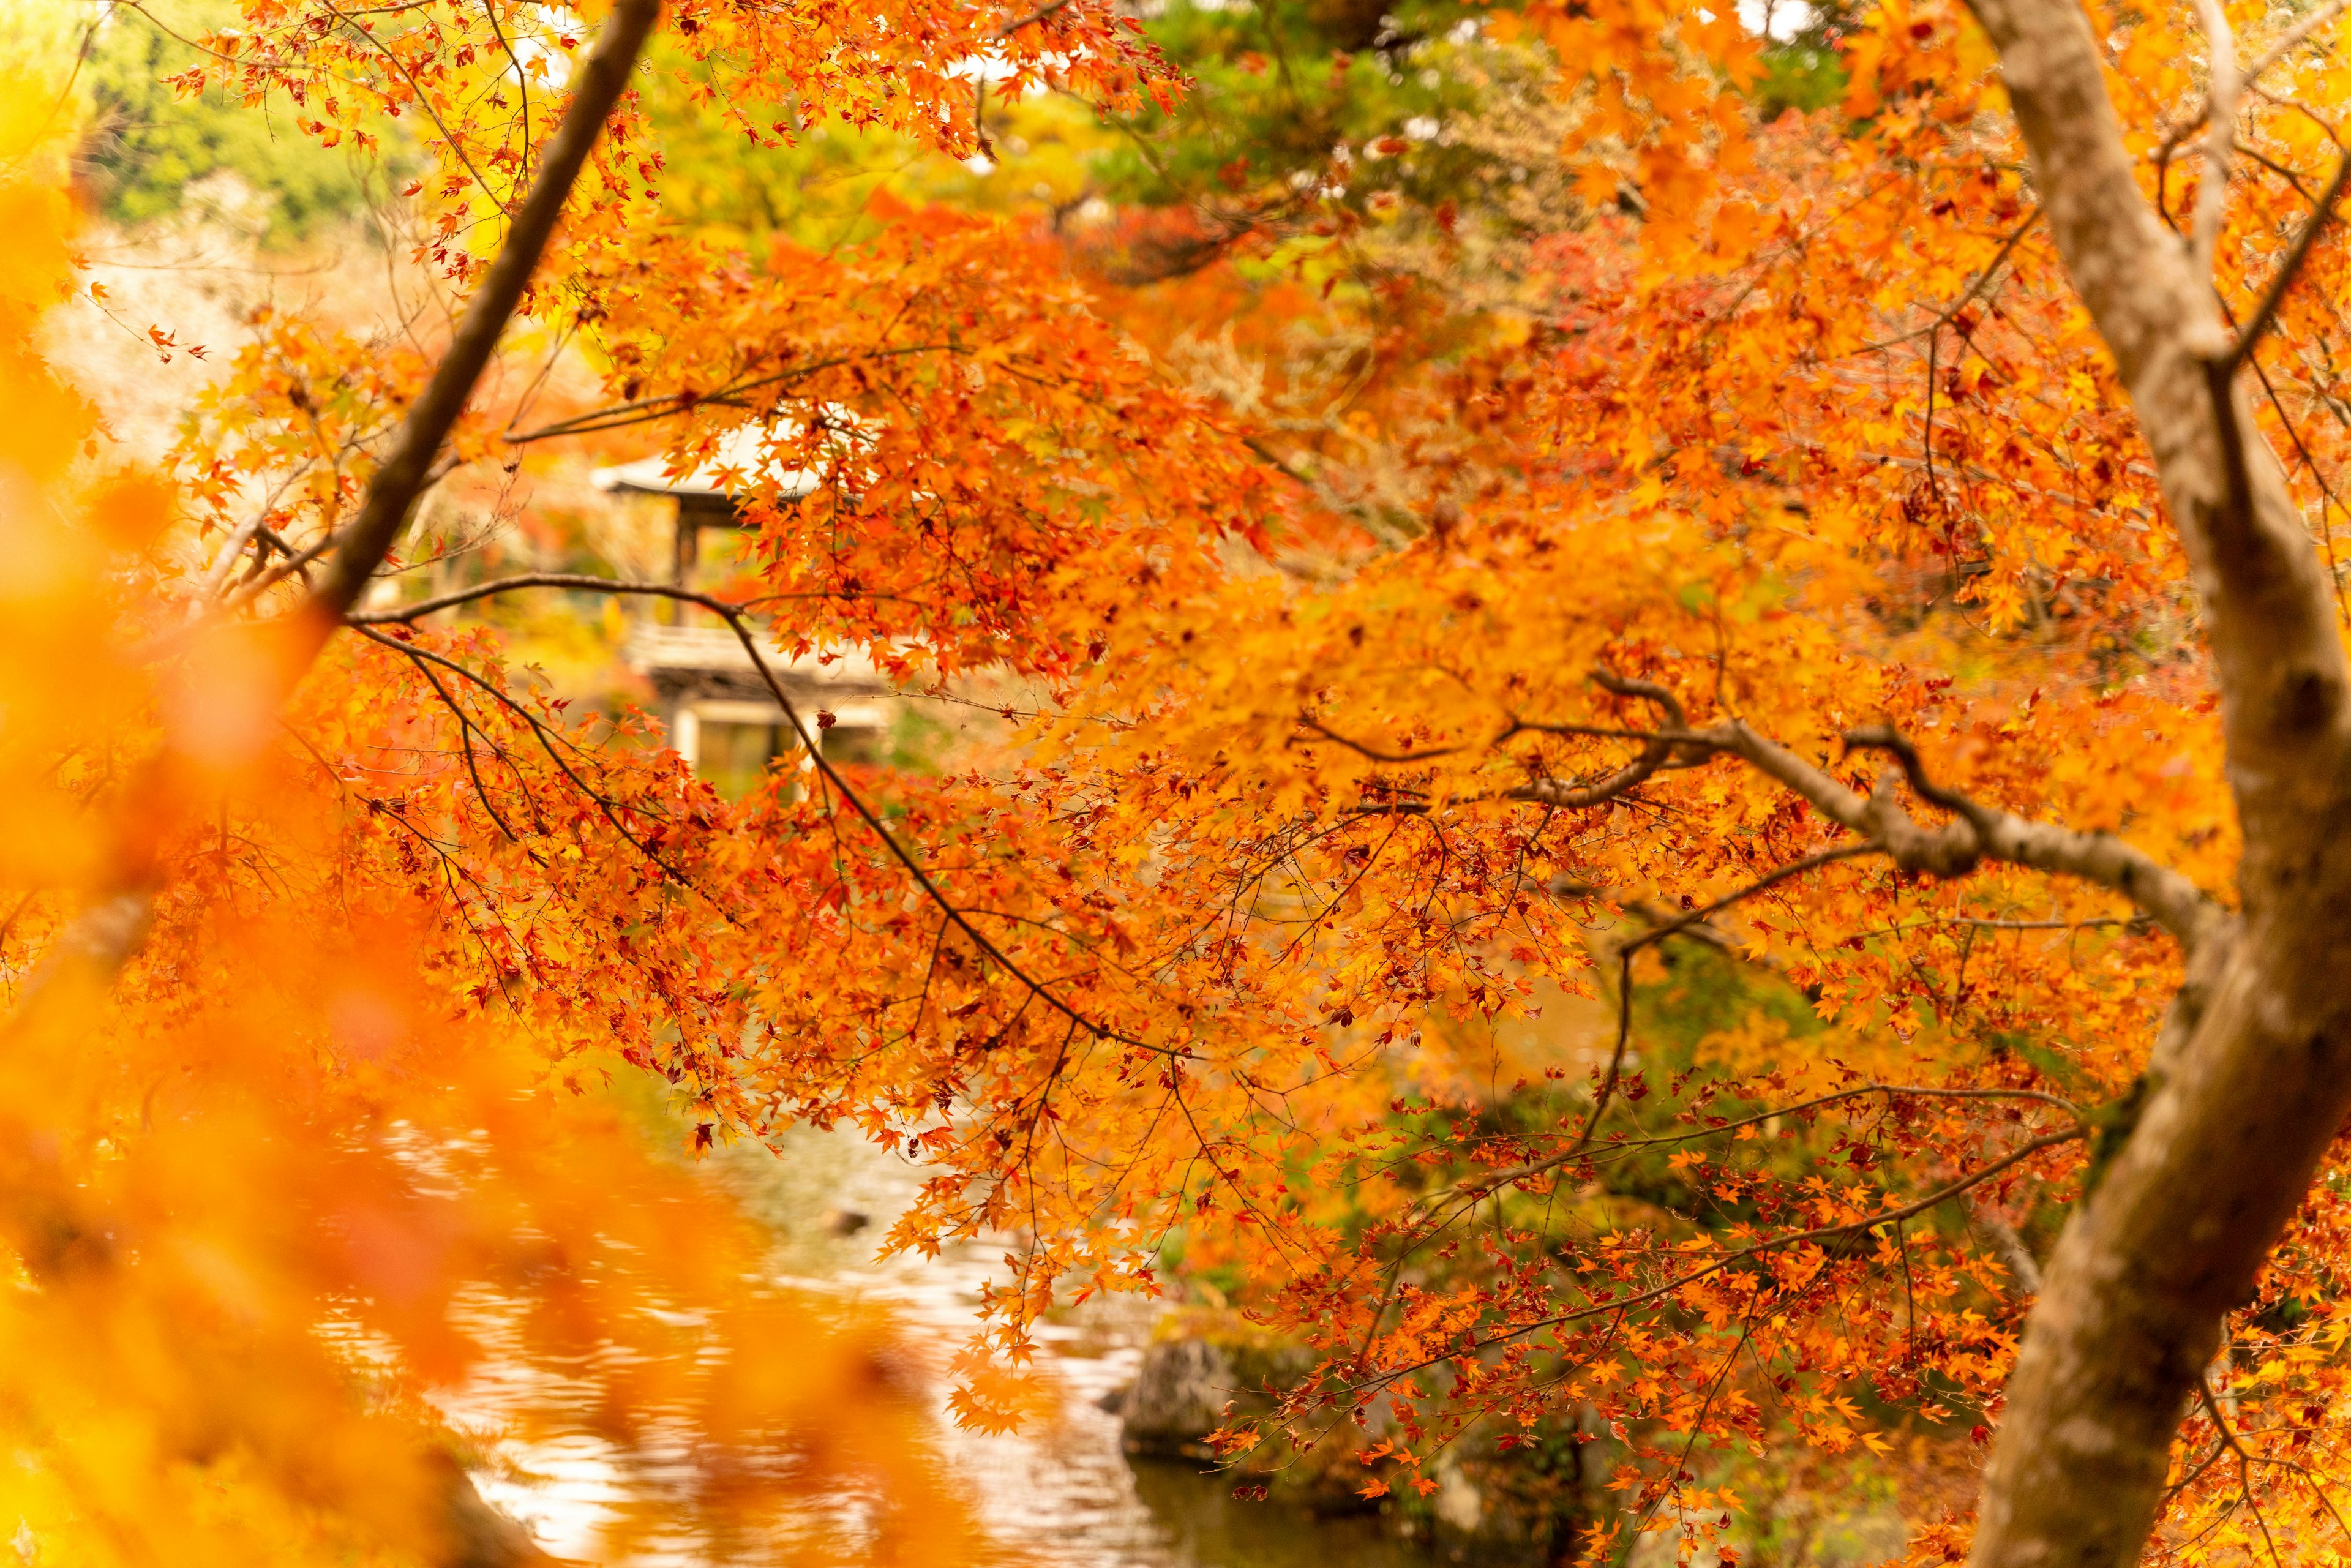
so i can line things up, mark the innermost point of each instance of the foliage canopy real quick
(1513, 510)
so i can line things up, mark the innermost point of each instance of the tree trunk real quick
(2252, 1073)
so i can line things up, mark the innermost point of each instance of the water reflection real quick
(1202, 1527)
(1061, 1494)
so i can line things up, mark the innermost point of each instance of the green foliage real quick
(815, 181)
(811, 187)
(1285, 94)
(146, 145)
(1800, 76)
(1810, 1510)
(1302, 114)
(915, 741)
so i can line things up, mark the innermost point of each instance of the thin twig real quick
(1031, 20)
(1486, 1184)
(1658, 933)
(2287, 40)
(643, 410)
(1935, 1199)
(733, 615)
(2287, 270)
(114, 926)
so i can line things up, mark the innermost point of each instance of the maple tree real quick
(1890, 544)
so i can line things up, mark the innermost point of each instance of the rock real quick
(1114, 1400)
(1213, 1368)
(1177, 1398)
(842, 1221)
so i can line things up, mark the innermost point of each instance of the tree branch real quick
(104, 937)
(1480, 1186)
(1656, 934)
(645, 411)
(953, 913)
(402, 614)
(1660, 750)
(1032, 18)
(2291, 39)
(394, 485)
(604, 804)
(1896, 1216)
(1977, 833)
(2220, 133)
(2250, 333)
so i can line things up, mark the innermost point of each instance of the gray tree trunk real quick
(2251, 1075)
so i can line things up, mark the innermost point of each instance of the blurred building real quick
(722, 716)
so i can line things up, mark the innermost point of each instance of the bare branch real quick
(604, 803)
(1032, 18)
(645, 411)
(953, 913)
(2220, 135)
(1978, 833)
(1896, 1216)
(1951, 849)
(1658, 933)
(2022, 1266)
(1949, 313)
(105, 935)
(402, 614)
(1483, 1184)
(1373, 753)
(1659, 751)
(2291, 40)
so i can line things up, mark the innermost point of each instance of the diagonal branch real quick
(1032, 18)
(1956, 1187)
(402, 614)
(604, 803)
(1487, 1182)
(1977, 833)
(951, 912)
(92, 950)
(1659, 750)
(2291, 40)
(396, 481)
(112, 927)
(645, 411)
(1656, 934)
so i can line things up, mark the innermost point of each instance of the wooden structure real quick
(722, 719)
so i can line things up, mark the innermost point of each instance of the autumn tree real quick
(271, 1172)
(1891, 545)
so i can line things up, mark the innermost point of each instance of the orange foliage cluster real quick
(296, 1171)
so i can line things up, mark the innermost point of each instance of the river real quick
(1061, 1494)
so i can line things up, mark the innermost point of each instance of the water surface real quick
(1060, 1493)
